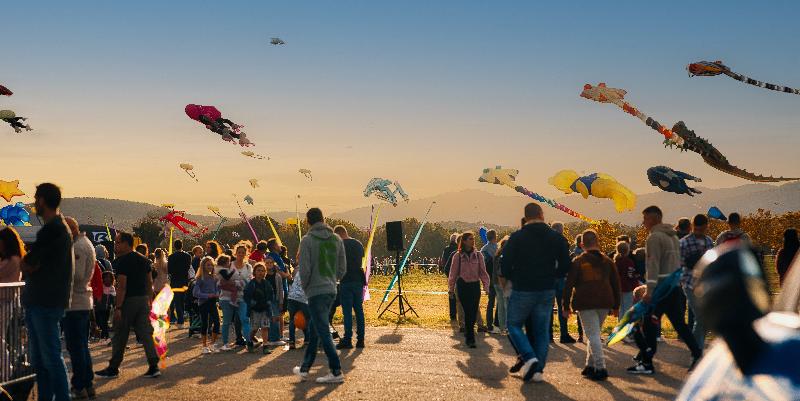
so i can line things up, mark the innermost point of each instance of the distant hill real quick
(462, 209)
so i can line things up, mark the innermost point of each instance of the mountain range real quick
(478, 206)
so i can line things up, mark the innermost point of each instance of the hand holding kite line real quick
(598, 185)
(213, 120)
(670, 180)
(189, 170)
(507, 177)
(15, 121)
(709, 69)
(381, 187)
(679, 136)
(177, 218)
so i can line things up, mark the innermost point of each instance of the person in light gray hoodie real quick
(322, 263)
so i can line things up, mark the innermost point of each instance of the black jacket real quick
(51, 255)
(534, 257)
(447, 257)
(178, 267)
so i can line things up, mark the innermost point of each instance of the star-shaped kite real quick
(10, 189)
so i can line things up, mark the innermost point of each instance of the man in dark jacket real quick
(178, 266)
(533, 258)
(444, 267)
(351, 290)
(47, 270)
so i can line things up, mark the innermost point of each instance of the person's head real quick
(790, 239)
(533, 212)
(270, 264)
(206, 267)
(558, 227)
(123, 243)
(314, 216)
(240, 252)
(284, 252)
(213, 249)
(223, 260)
(178, 245)
(197, 251)
(72, 224)
(160, 254)
(453, 238)
(624, 238)
(143, 249)
(108, 279)
(590, 240)
(491, 235)
(341, 231)
(262, 246)
(259, 271)
(466, 242)
(700, 224)
(10, 244)
(734, 220)
(47, 199)
(684, 225)
(623, 249)
(579, 241)
(100, 252)
(273, 246)
(501, 245)
(651, 217)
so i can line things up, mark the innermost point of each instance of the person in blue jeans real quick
(322, 262)
(533, 258)
(351, 290)
(47, 270)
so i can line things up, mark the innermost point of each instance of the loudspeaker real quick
(394, 236)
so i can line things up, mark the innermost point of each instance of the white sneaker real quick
(303, 375)
(331, 378)
(214, 348)
(276, 343)
(226, 347)
(538, 377)
(527, 369)
(206, 350)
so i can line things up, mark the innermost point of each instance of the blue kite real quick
(15, 215)
(670, 180)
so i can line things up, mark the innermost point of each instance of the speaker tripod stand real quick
(403, 305)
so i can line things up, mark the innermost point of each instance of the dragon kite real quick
(709, 69)
(382, 190)
(679, 136)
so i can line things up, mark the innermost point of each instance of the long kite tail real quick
(707, 69)
(552, 203)
(366, 263)
(406, 256)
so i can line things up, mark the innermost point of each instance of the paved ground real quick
(398, 364)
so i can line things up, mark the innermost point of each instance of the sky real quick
(425, 93)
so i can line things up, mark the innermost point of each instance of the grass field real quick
(433, 307)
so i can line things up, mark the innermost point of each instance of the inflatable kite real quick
(189, 170)
(177, 218)
(213, 120)
(715, 213)
(507, 177)
(254, 155)
(670, 180)
(679, 136)
(160, 321)
(634, 315)
(276, 41)
(307, 173)
(14, 121)
(248, 199)
(484, 234)
(15, 215)
(10, 189)
(5, 91)
(603, 94)
(253, 183)
(382, 188)
(597, 185)
(709, 69)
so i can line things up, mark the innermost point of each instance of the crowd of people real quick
(525, 273)
(73, 291)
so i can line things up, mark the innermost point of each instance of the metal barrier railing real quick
(14, 364)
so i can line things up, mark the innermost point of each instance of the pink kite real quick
(213, 120)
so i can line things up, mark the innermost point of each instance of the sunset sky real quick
(427, 93)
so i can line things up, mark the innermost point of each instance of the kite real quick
(484, 234)
(254, 183)
(709, 69)
(272, 227)
(407, 255)
(248, 199)
(679, 136)
(5, 91)
(177, 218)
(222, 220)
(507, 177)
(603, 94)
(641, 309)
(160, 321)
(10, 189)
(213, 120)
(16, 122)
(189, 170)
(306, 172)
(715, 213)
(254, 155)
(15, 215)
(670, 180)
(276, 41)
(598, 185)
(244, 216)
(381, 187)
